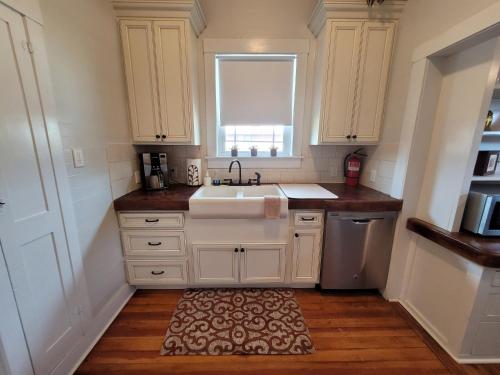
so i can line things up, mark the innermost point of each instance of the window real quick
(255, 95)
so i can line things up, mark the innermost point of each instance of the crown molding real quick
(163, 9)
(353, 9)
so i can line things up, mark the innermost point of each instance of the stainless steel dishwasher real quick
(357, 250)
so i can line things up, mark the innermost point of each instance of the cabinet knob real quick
(296, 234)
(157, 136)
(242, 250)
(235, 249)
(163, 136)
(348, 136)
(354, 136)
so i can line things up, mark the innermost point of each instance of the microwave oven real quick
(482, 210)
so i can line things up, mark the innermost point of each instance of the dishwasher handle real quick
(362, 221)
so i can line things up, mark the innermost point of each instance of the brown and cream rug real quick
(237, 321)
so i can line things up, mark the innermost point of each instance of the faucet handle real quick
(258, 177)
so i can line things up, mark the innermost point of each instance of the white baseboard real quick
(432, 332)
(96, 329)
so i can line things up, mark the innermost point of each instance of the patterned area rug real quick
(237, 321)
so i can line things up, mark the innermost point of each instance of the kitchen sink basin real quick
(234, 202)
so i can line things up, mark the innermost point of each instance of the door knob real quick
(242, 250)
(235, 249)
(163, 136)
(348, 136)
(296, 234)
(157, 136)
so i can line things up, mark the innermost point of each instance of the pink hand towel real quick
(272, 206)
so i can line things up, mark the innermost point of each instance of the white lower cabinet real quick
(239, 263)
(306, 255)
(154, 272)
(216, 263)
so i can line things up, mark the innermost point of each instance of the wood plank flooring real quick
(353, 334)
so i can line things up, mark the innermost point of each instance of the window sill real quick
(278, 162)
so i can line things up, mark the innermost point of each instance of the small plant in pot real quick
(274, 151)
(253, 151)
(234, 150)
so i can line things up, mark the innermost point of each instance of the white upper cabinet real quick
(353, 58)
(160, 51)
(138, 53)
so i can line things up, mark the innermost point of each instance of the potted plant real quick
(274, 151)
(253, 151)
(234, 150)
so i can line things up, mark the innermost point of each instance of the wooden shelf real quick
(490, 178)
(493, 133)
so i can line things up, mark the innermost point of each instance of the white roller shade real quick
(256, 90)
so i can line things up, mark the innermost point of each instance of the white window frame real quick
(213, 47)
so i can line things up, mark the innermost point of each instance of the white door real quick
(306, 255)
(372, 82)
(173, 79)
(138, 53)
(262, 263)
(31, 229)
(343, 58)
(216, 263)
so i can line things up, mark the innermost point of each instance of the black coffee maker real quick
(154, 170)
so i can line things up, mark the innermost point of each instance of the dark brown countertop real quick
(481, 250)
(175, 198)
(358, 198)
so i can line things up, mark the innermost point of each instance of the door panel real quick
(31, 228)
(306, 255)
(262, 263)
(343, 57)
(373, 77)
(216, 263)
(138, 51)
(173, 79)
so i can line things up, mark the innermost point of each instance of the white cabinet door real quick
(376, 52)
(306, 255)
(138, 52)
(262, 263)
(31, 229)
(173, 79)
(338, 97)
(216, 263)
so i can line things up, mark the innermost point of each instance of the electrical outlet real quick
(173, 172)
(373, 175)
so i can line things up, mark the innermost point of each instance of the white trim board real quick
(474, 30)
(98, 327)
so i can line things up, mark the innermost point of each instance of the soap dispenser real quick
(207, 181)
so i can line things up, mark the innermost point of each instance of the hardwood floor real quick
(352, 334)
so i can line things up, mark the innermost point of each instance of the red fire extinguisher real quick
(352, 167)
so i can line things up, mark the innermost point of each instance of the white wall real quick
(421, 20)
(265, 19)
(85, 59)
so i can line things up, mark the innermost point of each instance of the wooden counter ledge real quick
(481, 250)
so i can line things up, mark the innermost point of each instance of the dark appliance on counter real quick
(154, 170)
(482, 210)
(486, 163)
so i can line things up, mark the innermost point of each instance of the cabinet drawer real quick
(154, 243)
(152, 220)
(156, 272)
(308, 218)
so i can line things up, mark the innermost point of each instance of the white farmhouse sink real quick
(234, 202)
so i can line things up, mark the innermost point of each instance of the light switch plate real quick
(78, 158)
(373, 175)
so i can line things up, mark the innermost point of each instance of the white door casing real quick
(31, 227)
